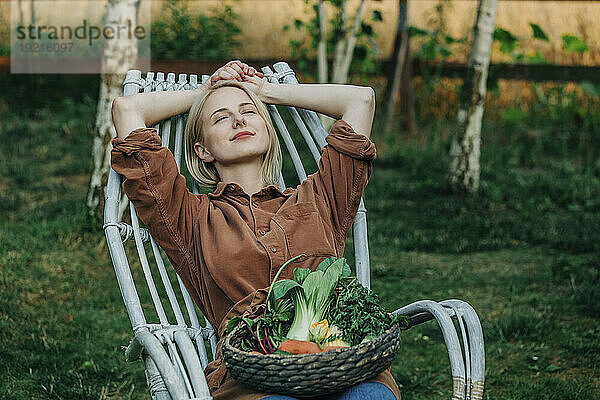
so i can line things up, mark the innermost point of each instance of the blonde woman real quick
(228, 244)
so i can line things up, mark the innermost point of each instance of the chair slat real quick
(167, 283)
(179, 125)
(146, 267)
(178, 364)
(192, 363)
(289, 144)
(286, 75)
(305, 134)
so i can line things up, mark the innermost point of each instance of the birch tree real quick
(399, 82)
(118, 55)
(345, 43)
(464, 168)
(322, 46)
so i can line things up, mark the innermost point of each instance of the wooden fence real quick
(538, 73)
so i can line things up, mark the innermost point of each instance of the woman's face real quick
(228, 111)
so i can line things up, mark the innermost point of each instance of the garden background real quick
(524, 251)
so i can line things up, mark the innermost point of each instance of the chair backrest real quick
(118, 232)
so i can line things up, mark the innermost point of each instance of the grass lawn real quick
(524, 254)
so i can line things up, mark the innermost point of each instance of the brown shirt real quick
(228, 245)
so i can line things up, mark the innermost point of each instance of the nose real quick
(239, 120)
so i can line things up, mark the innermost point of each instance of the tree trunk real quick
(341, 75)
(340, 45)
(119, 56)
(398, 71)
(464, 171)
(322, 47)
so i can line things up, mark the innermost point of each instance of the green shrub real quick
(203, 36)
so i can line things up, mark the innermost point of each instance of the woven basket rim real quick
(227, 344)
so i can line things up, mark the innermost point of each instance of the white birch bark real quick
(322, 47)
(340, 46)
(119, 56)
(464, 169)
(341, 75)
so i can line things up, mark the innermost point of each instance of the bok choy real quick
(311, 293)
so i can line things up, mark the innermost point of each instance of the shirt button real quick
(274, 249)
(262, 233)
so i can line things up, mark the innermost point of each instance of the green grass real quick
(524, 253)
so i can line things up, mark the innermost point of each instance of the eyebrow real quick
(225, 108)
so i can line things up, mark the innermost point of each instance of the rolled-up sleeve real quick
(344, 171)
(158, 191)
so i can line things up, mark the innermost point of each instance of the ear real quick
(203, 153)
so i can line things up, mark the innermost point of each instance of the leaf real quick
(323, 265)
(298, 24)
(506, 39)
(232, 323)
(269, 301)
(444, 52)
(282, 287)
(330, 280)
(573, 44)
(346, 271)
(281, 352)
(366, 28)
(300, 274)
(377, 15)
(413, 31)
(312, 282)
(449, 39)
(538, 33)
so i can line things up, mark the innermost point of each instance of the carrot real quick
(299, 346)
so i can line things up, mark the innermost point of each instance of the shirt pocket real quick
(305, 231)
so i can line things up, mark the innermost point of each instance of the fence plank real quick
(537, 73)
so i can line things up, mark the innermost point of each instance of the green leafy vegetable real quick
(313, 297)
(358, 314)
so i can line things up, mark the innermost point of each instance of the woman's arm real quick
(146, 109)
(353, 104)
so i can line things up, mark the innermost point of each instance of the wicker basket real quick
(310, 375)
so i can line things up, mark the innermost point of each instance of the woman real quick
(227, 245)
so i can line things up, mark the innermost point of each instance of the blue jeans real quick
(364, 391)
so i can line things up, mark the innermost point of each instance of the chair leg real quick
(468, 377)
(450, 337)
(474, 333)
(156, 384)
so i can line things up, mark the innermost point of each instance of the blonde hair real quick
(205, 173)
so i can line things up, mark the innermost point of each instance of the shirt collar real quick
(224, 189)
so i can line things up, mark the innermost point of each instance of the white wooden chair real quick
(172, 345)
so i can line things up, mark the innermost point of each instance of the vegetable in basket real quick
(327, 294)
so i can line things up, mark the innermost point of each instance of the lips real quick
(242, 134)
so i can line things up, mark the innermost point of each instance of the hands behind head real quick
(241, 72)
(234, 70)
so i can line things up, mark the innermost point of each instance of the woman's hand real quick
(256, 85)
(234, 70)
